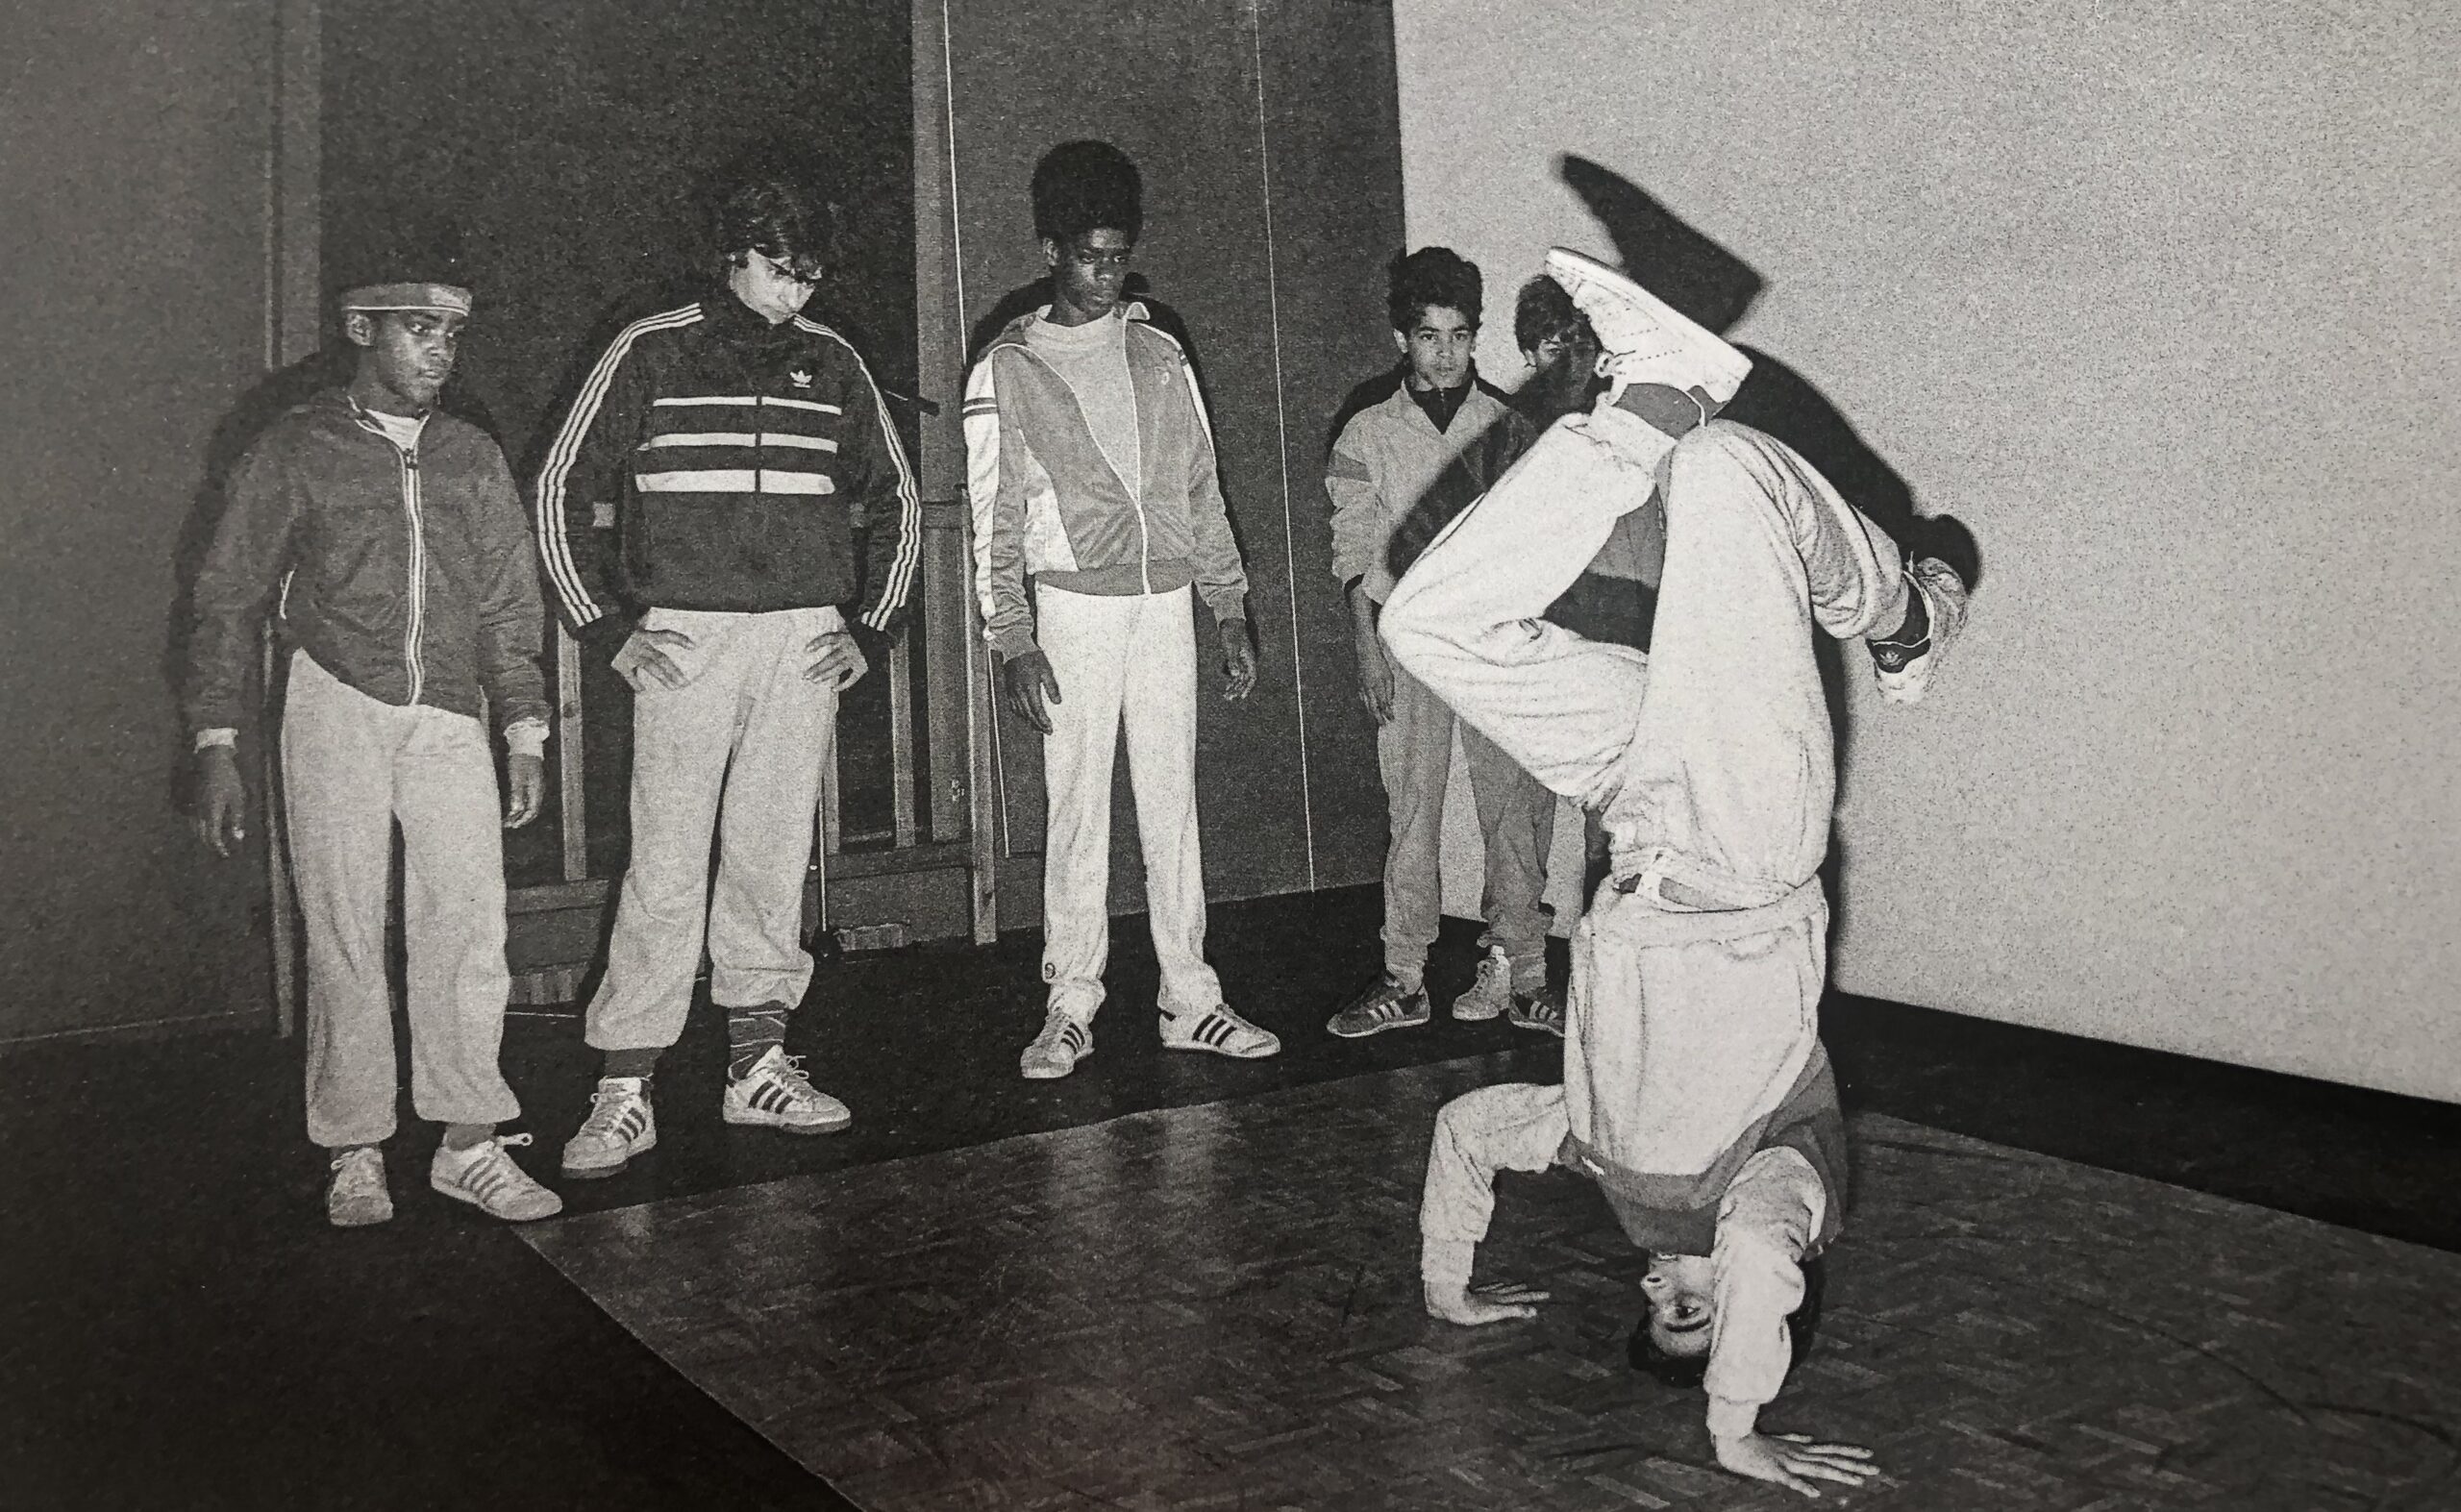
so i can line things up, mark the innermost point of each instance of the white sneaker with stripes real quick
(485, 1178)
(776, 1094)
(1055, 1051)
(1220, 1030)
(620, 1126)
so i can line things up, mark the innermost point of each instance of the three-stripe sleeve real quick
(893, 557)
(995, 461)
(585, 465)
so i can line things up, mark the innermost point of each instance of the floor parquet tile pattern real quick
(1216, 1307)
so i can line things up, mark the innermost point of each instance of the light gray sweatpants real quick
(1696, 993)
(1714, 750)
(350, 767)
(738, 751)
(1516, 820)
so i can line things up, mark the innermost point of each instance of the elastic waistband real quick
(1649, 925)
(1127, 580)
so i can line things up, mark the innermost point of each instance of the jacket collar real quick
(732, 321)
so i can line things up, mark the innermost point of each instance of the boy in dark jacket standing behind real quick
(730, 442)
(387, 539)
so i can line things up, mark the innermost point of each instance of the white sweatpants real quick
(1713, 751)
(1693, 1008)
(1123, 661)
(350, 767)
(738, 751)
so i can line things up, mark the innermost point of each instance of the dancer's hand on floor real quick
(1794, 1461)
(1473, 1305)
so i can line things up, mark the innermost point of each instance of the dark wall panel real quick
(1330, 108)
(135, 143)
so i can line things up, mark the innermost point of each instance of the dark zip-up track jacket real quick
(407, 575)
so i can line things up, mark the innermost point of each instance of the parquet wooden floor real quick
(1216, 1307)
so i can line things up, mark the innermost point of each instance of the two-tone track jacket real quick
(1394, 479)
(712, 460)
(406, 574)
(1048, 500)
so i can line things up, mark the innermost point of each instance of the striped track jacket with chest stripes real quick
(731, 460)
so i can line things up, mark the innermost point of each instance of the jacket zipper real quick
(417, 627)
(414, 624)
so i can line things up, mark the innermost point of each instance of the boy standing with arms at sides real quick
(1400, 468)
(731, 444)
(1090, 468)
(387, 541)
(1696, 1090)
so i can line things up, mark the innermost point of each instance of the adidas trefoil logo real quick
(800, 379)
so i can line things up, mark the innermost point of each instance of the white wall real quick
(2161, 301)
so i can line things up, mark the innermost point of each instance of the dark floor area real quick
(177, 1328)
(1218, 1307)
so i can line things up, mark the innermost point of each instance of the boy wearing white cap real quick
(1696, 1091)
(387, 541)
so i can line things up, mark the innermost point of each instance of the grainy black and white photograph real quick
(1230, 755)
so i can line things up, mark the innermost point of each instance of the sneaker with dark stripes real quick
(1383, 1004)
(620, 1126)
(1055, 1051)
(1542, 1011)
(776, 1094)
(485, 1178)
(1220, 1030)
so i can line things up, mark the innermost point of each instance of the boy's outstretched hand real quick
(1473, 1305)
(1794, 1461)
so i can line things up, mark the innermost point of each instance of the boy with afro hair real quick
(1090, 469)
